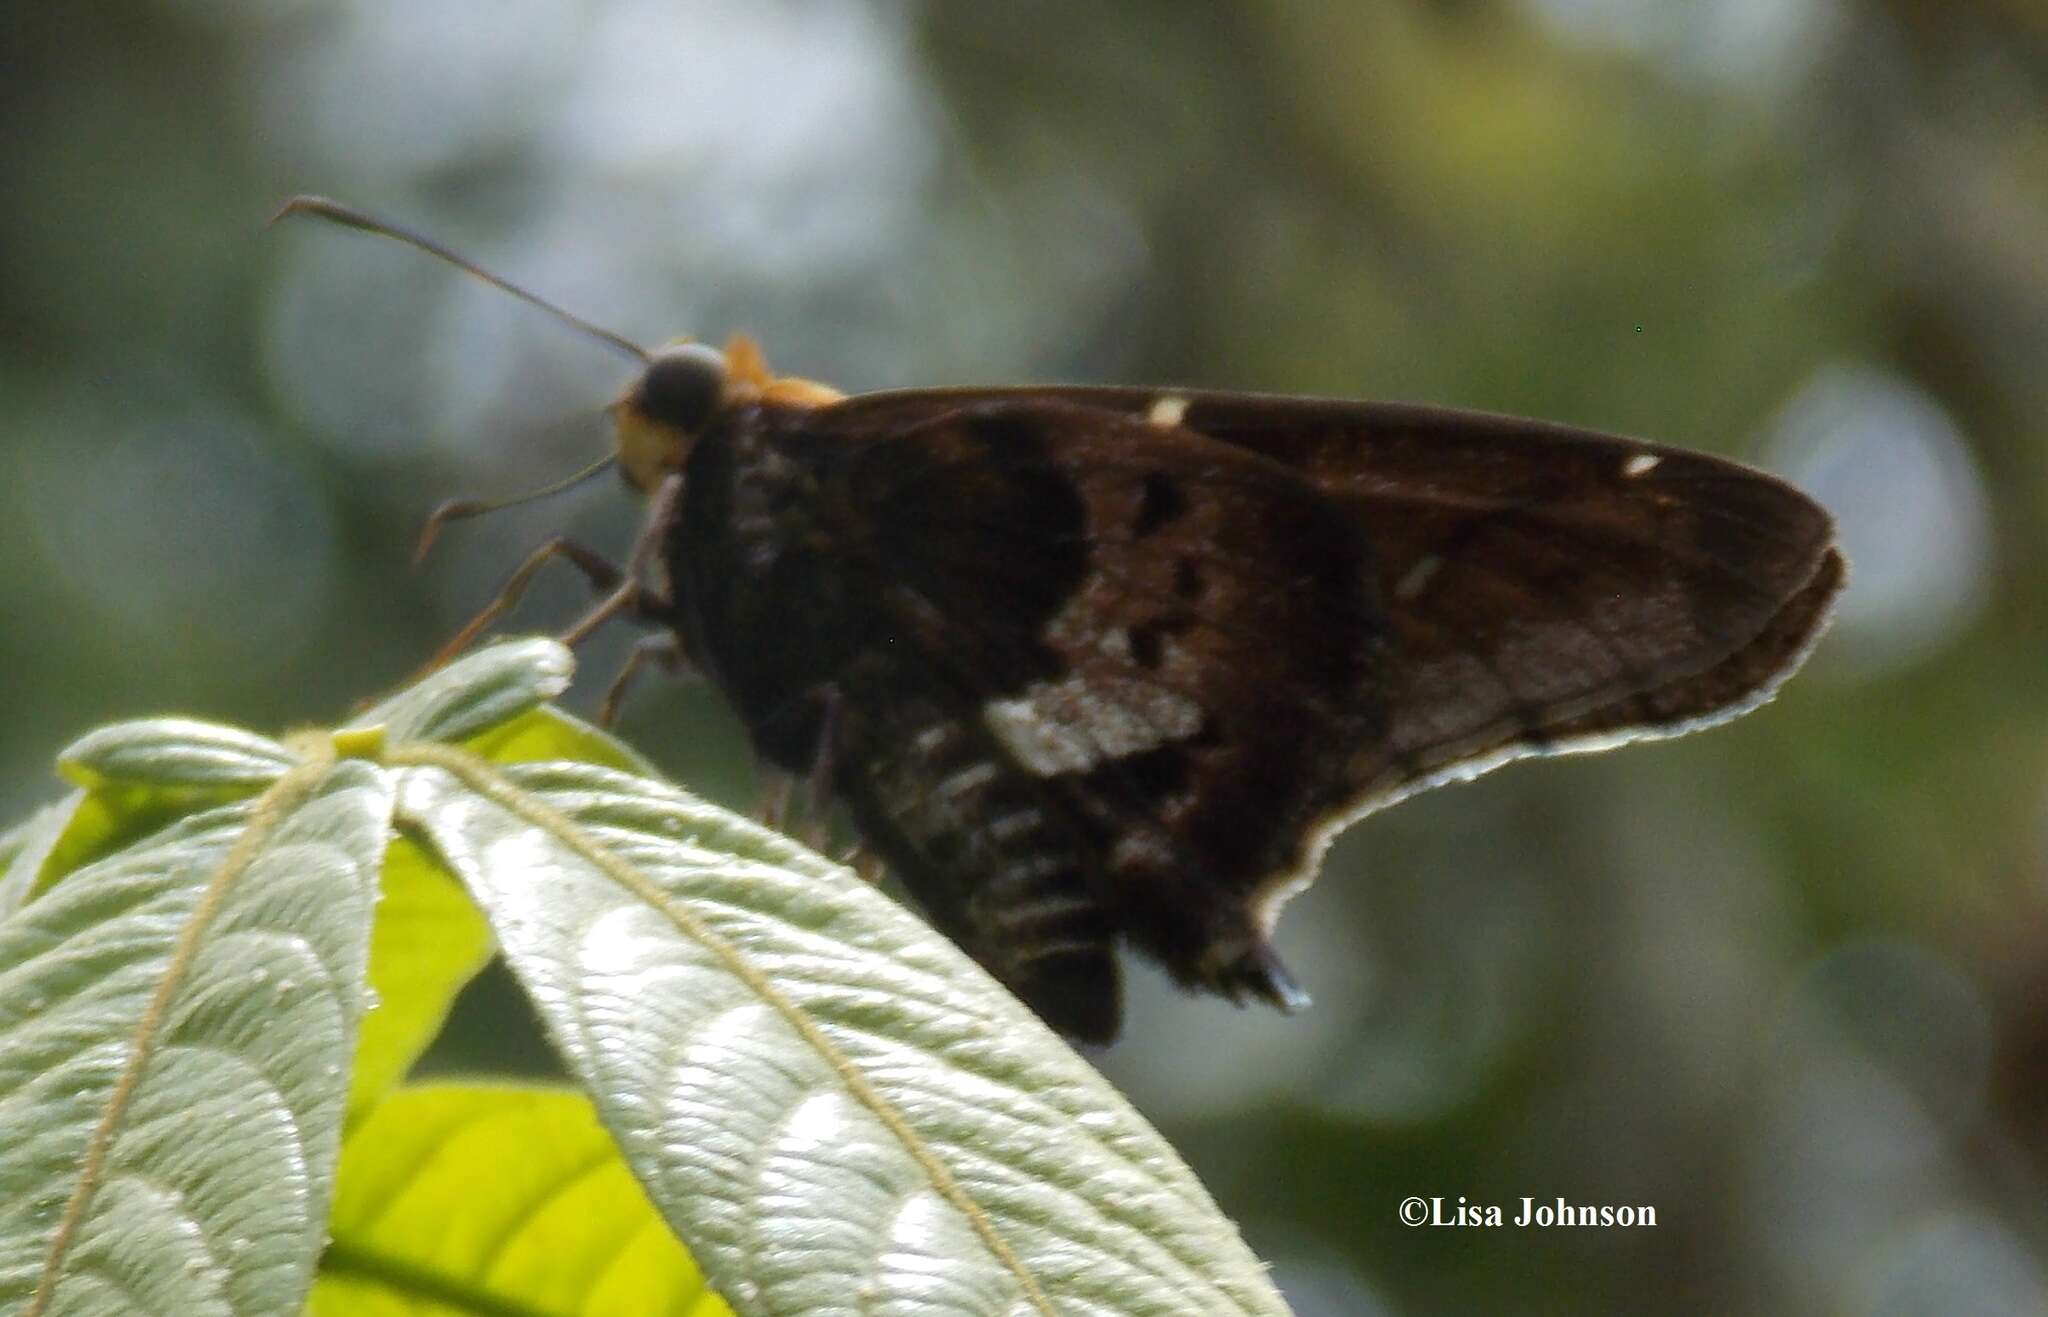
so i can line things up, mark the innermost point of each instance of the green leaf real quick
(175, 1027)
(136, 777)
(429, 940)
(461, 1199)
(545, 732)
(476, 693)
(170, 752)
(831, 1104)
(110, 817)
(27, 847)
(825, 1099)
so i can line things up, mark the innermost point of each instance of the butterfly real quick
(1094, 668)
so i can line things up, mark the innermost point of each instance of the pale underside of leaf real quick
(480, 692)
(831, 1105)
(174, 751)
(835, 1108)
(171, 1116)
(28, 847)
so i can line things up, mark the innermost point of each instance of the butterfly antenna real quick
(461, 509)
(350, 217)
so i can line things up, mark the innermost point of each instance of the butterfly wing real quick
(1124, 663)
(1549, 589)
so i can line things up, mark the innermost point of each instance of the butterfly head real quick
(685, 388)
(666, 407)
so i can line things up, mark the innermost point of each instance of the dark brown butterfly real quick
(1089, 666)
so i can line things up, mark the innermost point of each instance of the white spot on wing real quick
(1641, 464)
(1072, 725)
(1167, 411)
(1042, 747)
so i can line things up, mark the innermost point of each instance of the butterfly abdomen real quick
(993, 866)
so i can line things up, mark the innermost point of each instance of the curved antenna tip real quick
(454, 509)
(307, 203)
(326, 208)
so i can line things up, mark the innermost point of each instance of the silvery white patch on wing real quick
(1167, 411)
(1641, 464)
(1074, 724)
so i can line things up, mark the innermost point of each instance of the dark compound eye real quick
(682, 386)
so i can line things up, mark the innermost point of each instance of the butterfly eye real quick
(682, 386)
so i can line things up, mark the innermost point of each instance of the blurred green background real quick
(1787, 982)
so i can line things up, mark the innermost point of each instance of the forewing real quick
(1253, 619)
(1546, 585)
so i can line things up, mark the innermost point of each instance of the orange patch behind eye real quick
(748, 379)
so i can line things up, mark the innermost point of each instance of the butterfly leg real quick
(865, 863)
(662, 648)
(818, 782)
(627, 594)
(798, 745)
(601, 572)
(776, 795)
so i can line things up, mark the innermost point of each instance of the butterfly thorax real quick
(760, 581)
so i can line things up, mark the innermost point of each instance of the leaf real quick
(17, 839)
(463, 1199)
(429, 939)
(827, 1100)
(833, 1106)
(476, 693)
(175, 1026)
(136, 777)
(27, 847)
(545, 732)
(170, 752)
